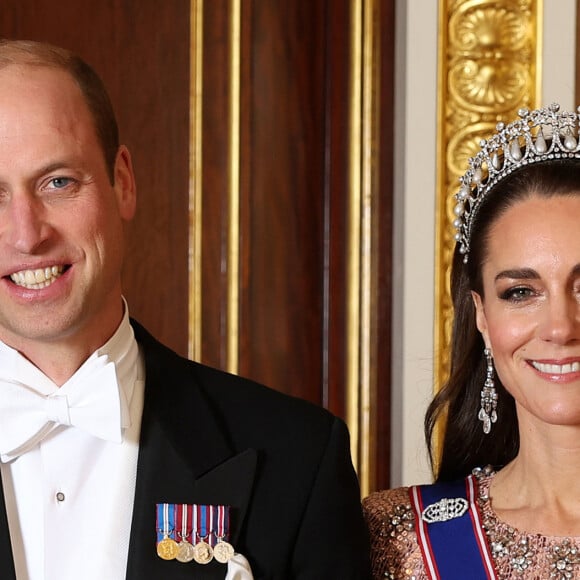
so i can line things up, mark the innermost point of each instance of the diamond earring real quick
(488, 410)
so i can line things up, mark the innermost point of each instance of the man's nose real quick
(22, 222)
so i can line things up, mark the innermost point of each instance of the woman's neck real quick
(539, 491)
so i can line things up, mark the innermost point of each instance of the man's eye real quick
(60, 182)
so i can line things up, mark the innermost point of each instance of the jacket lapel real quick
(182, 459)
(7, 571)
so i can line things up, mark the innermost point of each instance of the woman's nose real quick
(561, 322)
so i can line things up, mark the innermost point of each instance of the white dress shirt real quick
(69, 499)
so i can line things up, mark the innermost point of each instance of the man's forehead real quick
(34, 71)
(34, 88)
(42, 105)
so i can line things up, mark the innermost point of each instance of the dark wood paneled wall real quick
(380, 478)
(285, 197)
(294, 146)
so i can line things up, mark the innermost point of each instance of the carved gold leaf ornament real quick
(492, 29)
(490, 47)
(488, 85)
(489, 58)
(463, 145)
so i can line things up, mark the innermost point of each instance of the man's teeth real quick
(552, 369)
(36, 279)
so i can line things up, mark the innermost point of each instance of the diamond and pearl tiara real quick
(538, 135)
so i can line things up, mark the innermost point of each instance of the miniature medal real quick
(185, 552)
(167, 549)
(202, 552)
(166, 546)
(223, 552)
(184, 522)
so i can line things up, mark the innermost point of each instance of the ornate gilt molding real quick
(489, 67)
(361, 287)
(233, 259)
(195, 178)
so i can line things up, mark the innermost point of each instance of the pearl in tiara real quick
(538, 135)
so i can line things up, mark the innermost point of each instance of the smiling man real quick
(61, 222)
(120, 459)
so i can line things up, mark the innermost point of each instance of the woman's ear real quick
(480, 318)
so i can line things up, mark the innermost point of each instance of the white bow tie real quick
(90, 401)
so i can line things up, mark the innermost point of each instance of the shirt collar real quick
(121, 349)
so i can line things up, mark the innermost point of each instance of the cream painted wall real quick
(414, 208)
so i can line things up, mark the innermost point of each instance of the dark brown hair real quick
(40, 54)
(465, 446)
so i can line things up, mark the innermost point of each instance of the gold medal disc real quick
(202, 553)
(167, 549)
(184, 552)
(223, 551)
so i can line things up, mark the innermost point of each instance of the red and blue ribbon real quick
(457, 548)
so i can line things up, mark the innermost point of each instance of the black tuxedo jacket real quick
(282, 464)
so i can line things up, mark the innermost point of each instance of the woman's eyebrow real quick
(521, 274)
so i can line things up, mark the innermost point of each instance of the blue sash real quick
(449, 531)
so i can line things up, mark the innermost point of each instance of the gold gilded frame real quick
(489, 66)
(361, 287)
(195, 178)
(233, 259)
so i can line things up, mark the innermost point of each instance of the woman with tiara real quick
(506, 497)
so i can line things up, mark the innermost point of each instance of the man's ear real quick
(480, 318)
(125, 184)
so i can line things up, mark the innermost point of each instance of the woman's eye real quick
(517, 294)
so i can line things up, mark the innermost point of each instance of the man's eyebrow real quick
(43, 170)
(52, 167)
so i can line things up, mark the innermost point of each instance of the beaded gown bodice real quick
(396, 555)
